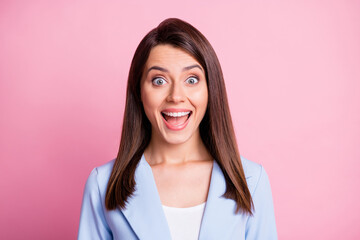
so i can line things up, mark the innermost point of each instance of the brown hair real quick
(216, 128)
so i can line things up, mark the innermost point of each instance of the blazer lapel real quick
(144, 210)
(219, 219)
(145, 214)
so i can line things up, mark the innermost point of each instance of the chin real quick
(175, 140)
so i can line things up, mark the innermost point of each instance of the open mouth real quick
(176, 118)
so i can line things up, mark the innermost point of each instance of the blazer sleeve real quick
(262, 224)
(93, 225)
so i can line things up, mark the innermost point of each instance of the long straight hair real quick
(216, 128)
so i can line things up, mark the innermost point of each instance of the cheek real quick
(200, 99)
(148, 109)
(146, 102)
(150, 103)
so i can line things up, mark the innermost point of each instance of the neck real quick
(162, 152)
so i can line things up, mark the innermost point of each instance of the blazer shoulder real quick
(252, 172)
(261, 225)
(106, 168)
(102, 174)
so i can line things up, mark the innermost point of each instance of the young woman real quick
(178, 173)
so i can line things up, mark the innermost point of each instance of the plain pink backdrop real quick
(293, 80)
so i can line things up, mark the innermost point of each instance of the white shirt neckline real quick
(186, 208)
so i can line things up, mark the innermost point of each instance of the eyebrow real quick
(165, 70)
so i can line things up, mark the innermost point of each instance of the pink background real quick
(292, 70)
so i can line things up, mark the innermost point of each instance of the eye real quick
(158, 81)
(192, 80)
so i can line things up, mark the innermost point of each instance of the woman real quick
(178, 173)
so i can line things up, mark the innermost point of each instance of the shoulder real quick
(99, 176)
(254, 172)
(104, 171)
(261, 225)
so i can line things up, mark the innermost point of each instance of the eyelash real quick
(161, 78)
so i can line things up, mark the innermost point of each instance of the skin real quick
(180, 162)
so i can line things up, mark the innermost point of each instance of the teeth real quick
(176, 114)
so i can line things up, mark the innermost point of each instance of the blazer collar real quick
(145, 214)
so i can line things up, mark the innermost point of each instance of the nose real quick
(176, 93)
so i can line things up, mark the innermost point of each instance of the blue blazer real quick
(144, 218)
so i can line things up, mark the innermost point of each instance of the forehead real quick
(168, 55)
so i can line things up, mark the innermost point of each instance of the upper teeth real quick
(176, 114)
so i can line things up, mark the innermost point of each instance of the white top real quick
(184, 223)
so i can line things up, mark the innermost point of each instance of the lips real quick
(176, 119)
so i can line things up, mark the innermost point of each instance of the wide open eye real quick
(192, 80)
(158, 81)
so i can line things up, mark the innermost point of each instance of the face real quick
(174, 94)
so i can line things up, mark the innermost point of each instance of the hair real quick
(216, 128)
